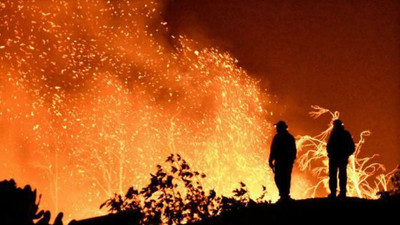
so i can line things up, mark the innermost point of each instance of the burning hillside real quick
(92, 98)
(95, 93)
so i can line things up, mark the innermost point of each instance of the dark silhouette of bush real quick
(175, 196)
(20, 206)
(395, 185)
(395, 180)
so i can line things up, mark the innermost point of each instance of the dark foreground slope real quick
(315, 211)
(309, 211)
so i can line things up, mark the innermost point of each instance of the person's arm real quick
(272, 154)
(329, 145)
(293, 148)
(351, 144)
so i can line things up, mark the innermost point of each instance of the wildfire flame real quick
(92, 98)
(95, 93)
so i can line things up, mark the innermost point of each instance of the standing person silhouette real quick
(340, 147)
(282, 155)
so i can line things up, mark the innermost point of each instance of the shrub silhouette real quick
(394, 191)
(395, 183)
(175, 196)
(20, 206)
(395, 180)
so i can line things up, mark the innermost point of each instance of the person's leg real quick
(332, 177)
(288, 179)
(343, 177)
(285, 183)
(280, 180)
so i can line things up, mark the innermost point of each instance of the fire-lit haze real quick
(340, 54)
(95, 93)
(92, 98)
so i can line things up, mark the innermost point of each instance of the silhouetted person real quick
(281, 159)
(340, 146)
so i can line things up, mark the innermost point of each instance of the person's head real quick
(338, 124)
(281, 126)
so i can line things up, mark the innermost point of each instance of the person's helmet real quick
(338, 123)
(281, 125)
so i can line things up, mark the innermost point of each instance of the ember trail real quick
(95, 93)
(92, 99)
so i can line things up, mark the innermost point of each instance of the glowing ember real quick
(93, 95)
(91, 100)
(361, 171)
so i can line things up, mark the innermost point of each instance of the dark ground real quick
(315, 211)
(309, 211)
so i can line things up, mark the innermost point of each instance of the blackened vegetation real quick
(394, 192)
(176, 196)
(396, 182)
(21, 206)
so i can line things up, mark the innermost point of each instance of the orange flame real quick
(92, 98)
(95, 93)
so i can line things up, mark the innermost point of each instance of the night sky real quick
(342, 55)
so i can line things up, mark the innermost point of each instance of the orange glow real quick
(92, 98)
